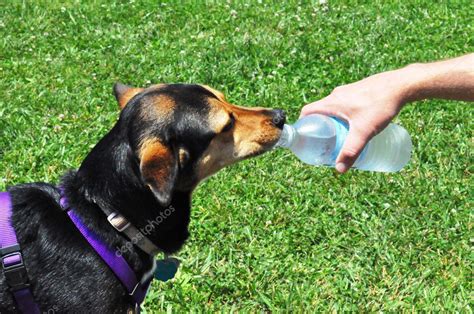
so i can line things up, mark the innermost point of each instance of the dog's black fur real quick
(65, 273)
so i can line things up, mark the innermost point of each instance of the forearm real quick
(449, 79)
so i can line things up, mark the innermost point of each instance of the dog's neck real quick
(109, 180)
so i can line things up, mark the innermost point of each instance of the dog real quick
(168, 139)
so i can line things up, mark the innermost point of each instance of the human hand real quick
(367, 105)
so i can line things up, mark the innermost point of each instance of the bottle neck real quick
(287, 137)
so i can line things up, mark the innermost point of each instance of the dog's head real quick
(182, 134)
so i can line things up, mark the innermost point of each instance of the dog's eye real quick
(229, 124)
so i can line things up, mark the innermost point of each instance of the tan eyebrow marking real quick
(218, 116)
(219, 95)
(164, 104)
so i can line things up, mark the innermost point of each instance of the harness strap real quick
(14, 269)
(116, 262)
(121, 224)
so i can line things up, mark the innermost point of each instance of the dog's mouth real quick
(271, 145)
(276, 141)
(264, 146)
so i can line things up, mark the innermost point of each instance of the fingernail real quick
(341, 167)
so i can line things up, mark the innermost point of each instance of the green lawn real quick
(270, 233)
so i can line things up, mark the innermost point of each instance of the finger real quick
(324, 106)
(353, 146)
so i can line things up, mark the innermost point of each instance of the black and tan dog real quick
(168, 138)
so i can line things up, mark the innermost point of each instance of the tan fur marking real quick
(157, 86)
(125, 97)
(219, 154)
(218, 116)
(159, 108)
(215, 92)
(164, 104)
(156, 160)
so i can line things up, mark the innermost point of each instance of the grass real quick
(268, 234)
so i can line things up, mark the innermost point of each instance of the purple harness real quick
(15, 272)
(13, 267)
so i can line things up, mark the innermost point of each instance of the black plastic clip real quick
(14, 269)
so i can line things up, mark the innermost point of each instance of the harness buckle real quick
(14, 271)
(118, 221)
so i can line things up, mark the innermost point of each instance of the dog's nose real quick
(278, 118)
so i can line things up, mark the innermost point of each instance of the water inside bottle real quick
(315, 150)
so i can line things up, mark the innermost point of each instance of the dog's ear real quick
(123, 93)
(159, 169)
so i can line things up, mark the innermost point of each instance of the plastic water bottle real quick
(317, 139)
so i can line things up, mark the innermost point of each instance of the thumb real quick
(353, 146)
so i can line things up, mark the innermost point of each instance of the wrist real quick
(413, 78)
